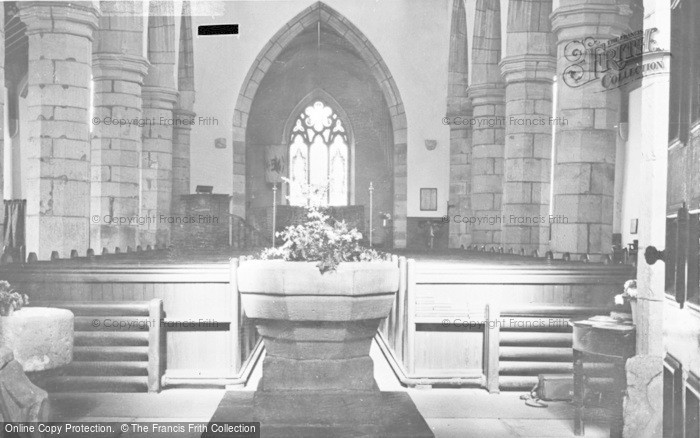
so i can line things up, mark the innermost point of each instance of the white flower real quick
(631, 288)
(619, 299)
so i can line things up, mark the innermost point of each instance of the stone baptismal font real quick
(317, 373)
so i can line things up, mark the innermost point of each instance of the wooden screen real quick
(682, 256)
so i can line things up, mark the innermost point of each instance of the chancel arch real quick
(321, 49)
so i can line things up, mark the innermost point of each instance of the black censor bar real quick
(218, 29)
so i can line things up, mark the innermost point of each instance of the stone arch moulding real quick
(309, 17)
(323, 95)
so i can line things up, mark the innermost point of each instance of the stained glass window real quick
(319, 155)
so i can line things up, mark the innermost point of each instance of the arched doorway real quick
(320, 52)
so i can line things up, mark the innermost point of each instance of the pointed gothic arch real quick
(310, 17)
(323, 96)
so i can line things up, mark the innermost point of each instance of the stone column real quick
(183, 113)
(460, 180)
(584, 147)
(459, 115)
(159, 97)
(118, 72)
(643, 412)
(58, 170)
(487, 94)
(181, 156)
(528, 71)
(2, 116)
(157, 165)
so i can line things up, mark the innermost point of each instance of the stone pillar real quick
(183, 113)
(159, 97)
(58, 170)
(2, 116)
(181, 156)
(487, 94)
(459, 114)
(644, 403)
(157, 165)
(584, 167)
(118, 72)
(460, 181)
(528, 71)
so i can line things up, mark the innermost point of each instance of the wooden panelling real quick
(455, 313)
(197, 301)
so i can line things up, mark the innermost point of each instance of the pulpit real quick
(607, 338)
(202, 222)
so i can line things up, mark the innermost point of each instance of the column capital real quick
(180, 113)
(159, 97)
(528, 67)
(485, 94)
(76, 18)
(595, 20)
(461, 106)
(121, 67)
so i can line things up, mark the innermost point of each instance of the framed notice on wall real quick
(634, 224)
(428, 199)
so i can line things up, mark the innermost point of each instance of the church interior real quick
(522, 176)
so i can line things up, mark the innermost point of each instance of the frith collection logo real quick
(615, 62)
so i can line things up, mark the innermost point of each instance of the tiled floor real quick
(449, 412)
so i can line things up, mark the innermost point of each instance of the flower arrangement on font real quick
(320, 238)
(11, 300)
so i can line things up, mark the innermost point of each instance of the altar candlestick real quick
(274, 212)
